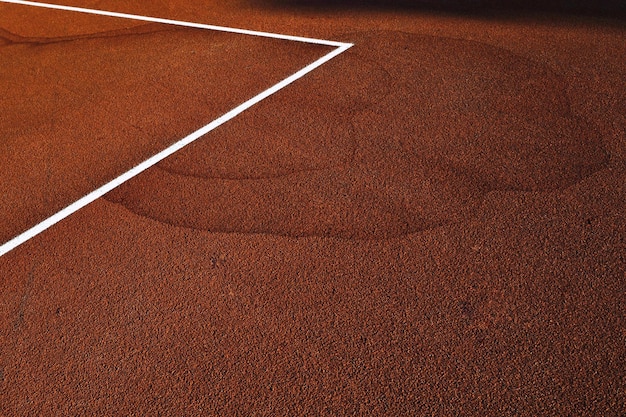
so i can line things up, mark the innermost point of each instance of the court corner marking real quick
(340, 47)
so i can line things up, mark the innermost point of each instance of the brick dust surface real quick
(429, 224)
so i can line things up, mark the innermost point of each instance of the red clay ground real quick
(429, 224)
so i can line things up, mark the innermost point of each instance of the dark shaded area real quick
(614, 8)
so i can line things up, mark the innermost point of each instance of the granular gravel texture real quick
(431, 223)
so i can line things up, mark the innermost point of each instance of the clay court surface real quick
(429, 223)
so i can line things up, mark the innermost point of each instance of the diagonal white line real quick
(92, 196)
(176, 22)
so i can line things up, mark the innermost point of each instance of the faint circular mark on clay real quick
(452, 120)
(500, 118)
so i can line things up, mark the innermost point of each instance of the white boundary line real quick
(176, 22)
(77, 205)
